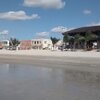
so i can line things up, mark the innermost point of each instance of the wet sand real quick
(28, 82)
(74, 63)
(49, 76)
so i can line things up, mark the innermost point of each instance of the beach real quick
(83, 54)
(49, 75)
(83, 61)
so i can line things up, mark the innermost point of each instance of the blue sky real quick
(27, 19)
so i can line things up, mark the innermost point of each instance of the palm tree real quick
(54, 41)
(66, 39)
(71, 42)
(81, 40)
(76, 40)
(98, 43)
(14, 43)
(89, 36)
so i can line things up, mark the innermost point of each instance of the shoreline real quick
(67, 63)
(53, 59)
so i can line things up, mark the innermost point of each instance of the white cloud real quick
(94, 24)
(43, 34)
(60, 29)
(18, 15)
(87, 12)
(57, 4)
(4, 32)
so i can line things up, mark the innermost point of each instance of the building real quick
(84, 30)
(41, 44)
(5, 44)
(93, 30)
(58, 45)
(25, 45)
(1, 47)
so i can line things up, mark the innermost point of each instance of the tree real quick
(54, 40)
(76, 40)
(14, 42)
(71, 42)
(98, 43)
(66, 38)
(89, 36)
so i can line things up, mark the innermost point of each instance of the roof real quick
(83, 30)
(25, 42)
(41, 39)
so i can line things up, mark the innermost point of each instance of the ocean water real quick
(28, 82)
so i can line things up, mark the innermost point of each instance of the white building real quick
(41, 44)
(58, 45)
(5, 44)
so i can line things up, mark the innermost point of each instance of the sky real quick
(28, 19)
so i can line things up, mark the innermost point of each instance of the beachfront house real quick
(25, 45)
(5, 44)
(1, 47)
(58, 45)
(87, 38)
(41, 44)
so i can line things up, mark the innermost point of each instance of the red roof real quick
(25, 44)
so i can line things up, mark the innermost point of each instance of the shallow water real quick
(23, 82)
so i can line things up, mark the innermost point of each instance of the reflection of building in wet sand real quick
(9, 68)
(41, 83)
(4, 68)
(90, 78)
